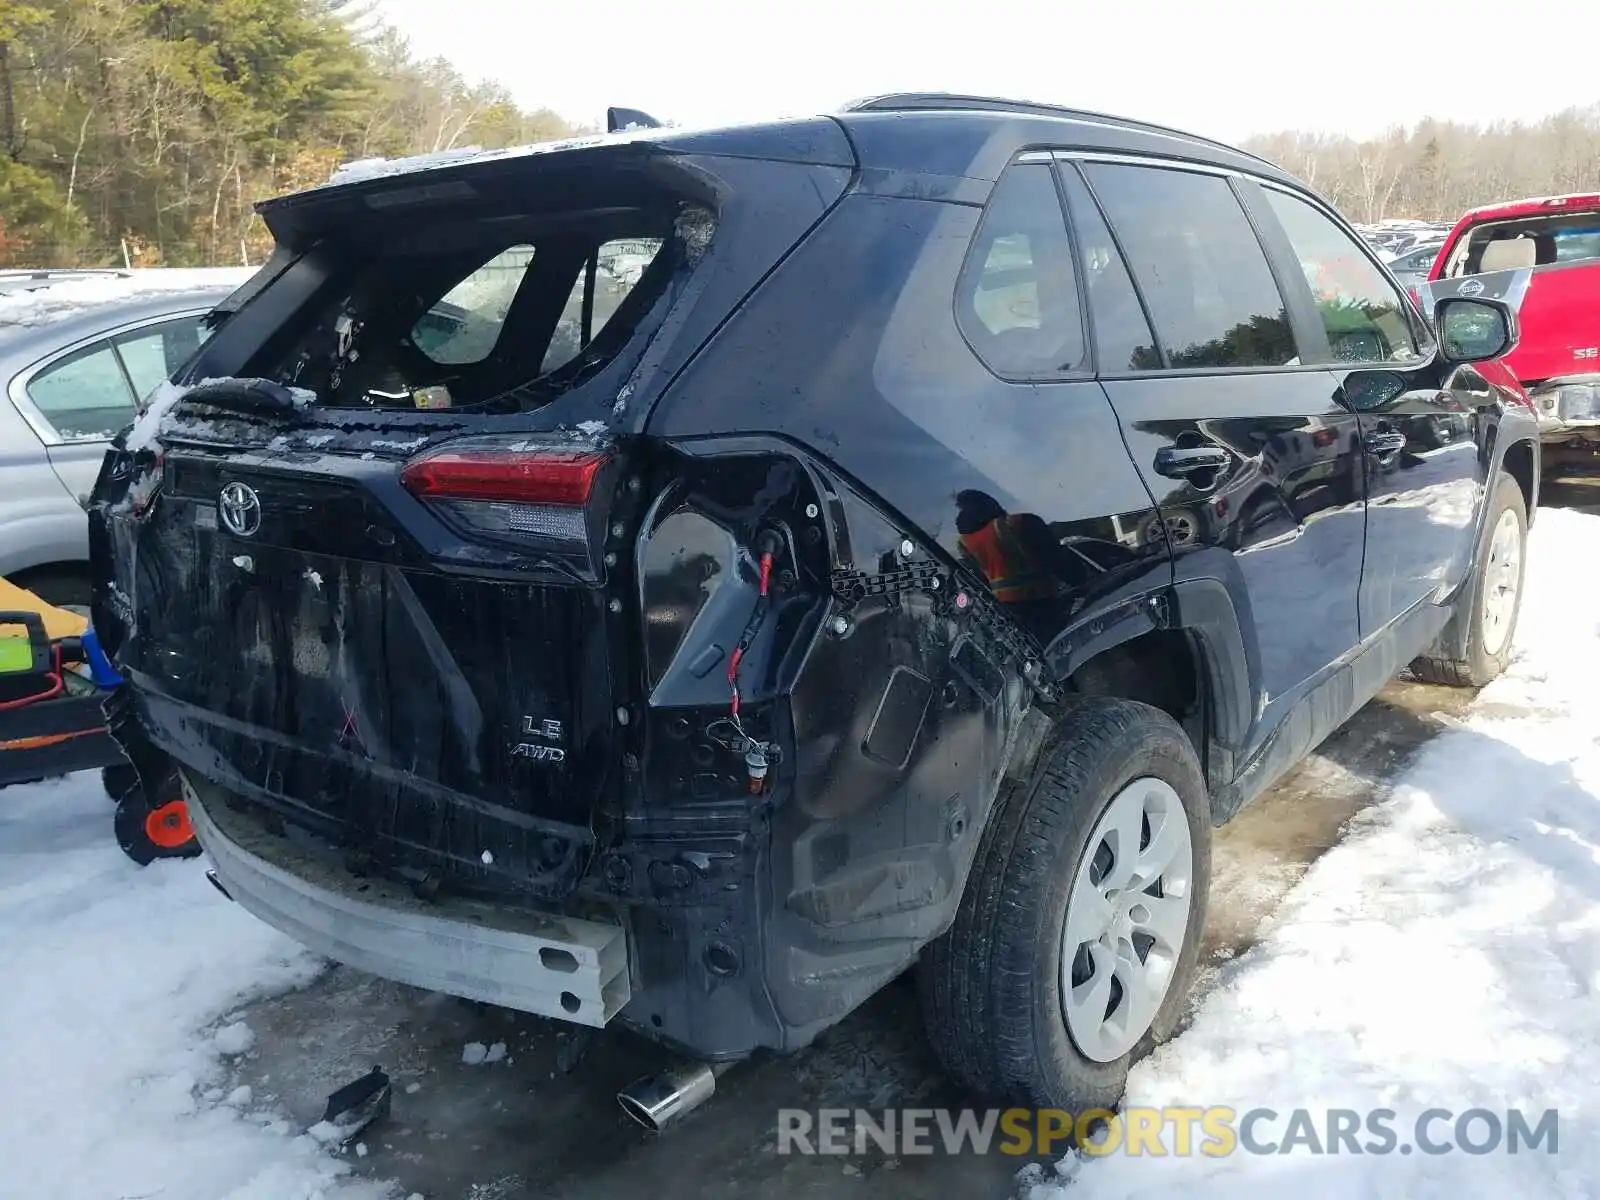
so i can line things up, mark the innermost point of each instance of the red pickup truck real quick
(1543, 257)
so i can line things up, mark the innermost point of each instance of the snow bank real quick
(1446, 954)
(70, 296)
(119, 985)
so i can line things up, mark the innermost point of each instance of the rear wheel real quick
(1476, 645)
(1074, 948)
(148, 830)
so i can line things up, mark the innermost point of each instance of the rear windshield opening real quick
(1526, 242)
(496, 314)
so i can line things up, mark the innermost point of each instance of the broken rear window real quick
(497, 314)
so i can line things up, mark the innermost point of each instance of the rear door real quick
(1251, 458)
(1425, 427)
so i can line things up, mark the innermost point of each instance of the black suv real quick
(686, 578)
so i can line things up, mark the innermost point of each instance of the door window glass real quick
(1364, 315)
(1122, 337)
(1199, 266)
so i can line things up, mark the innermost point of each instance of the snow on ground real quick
(117, 1021)
(68, 296)
(1445, 955)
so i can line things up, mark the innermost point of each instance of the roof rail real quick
(937, 101)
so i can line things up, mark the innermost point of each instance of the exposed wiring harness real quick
(729, 731)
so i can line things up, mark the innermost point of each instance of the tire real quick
(1471, 652)
(148, 831)
(991, 986)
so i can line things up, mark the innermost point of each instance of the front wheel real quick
(1475, 646)
(1074, 948)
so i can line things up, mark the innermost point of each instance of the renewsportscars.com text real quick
(1215, 1132)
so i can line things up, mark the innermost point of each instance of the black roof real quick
(952, 102)
(975, 136)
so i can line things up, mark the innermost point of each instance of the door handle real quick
(1384, 443)
(1175, 462)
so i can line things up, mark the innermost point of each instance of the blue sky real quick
(1226, 68)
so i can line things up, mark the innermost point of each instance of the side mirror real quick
(1474, 330)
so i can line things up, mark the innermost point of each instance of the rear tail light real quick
(517, 473)
(532, 494)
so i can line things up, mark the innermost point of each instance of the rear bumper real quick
(563, 967)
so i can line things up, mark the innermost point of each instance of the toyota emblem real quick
(240, 509)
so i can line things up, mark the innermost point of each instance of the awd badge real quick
(546, 729)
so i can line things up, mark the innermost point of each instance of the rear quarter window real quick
(1017, 298)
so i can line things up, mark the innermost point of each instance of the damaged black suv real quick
(686, 578)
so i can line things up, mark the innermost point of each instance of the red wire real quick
(56, 687)
(733, 676)
(738, 651)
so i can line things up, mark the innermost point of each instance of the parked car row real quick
(1401, 236)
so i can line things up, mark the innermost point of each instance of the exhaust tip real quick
(640, 1112)
(657, 1101)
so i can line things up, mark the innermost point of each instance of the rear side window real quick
(92, 392)
(85, 394)
(1362, 312)
(1199, 265)
(151, 355)
(1017, 299)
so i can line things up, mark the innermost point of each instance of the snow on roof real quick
(69, 295)
(364, 169)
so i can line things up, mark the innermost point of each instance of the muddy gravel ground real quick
(542, 1120)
